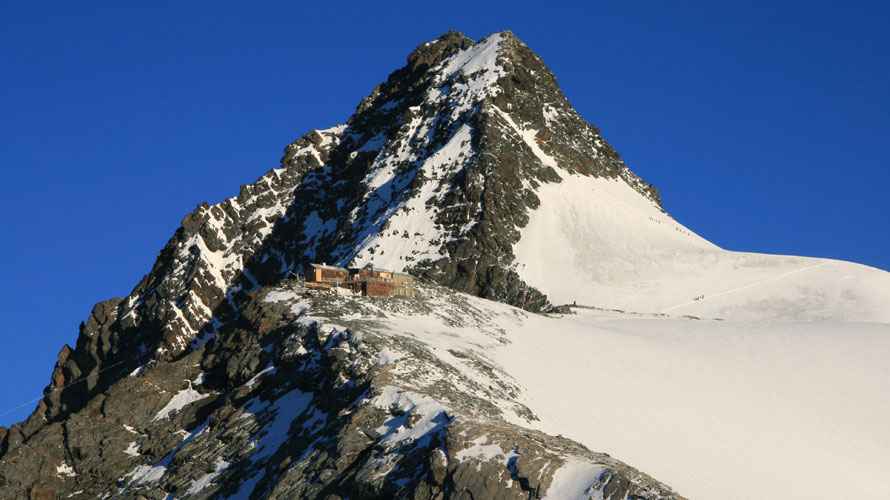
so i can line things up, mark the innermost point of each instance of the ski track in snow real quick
(745, 287)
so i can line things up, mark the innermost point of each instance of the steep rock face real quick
(434, 174)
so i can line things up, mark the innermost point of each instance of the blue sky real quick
(764, 124)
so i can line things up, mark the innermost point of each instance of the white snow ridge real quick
(781, 383)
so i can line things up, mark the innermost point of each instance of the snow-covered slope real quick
(598, 242)
(717, 409)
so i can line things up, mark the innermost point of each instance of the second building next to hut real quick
(368, 281)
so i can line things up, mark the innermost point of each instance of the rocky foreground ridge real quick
(313, 395)
(217, 377)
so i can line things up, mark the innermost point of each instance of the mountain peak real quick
(429, 54)
(223, 375)
(442, 162)
(436, 174)
(433, 52)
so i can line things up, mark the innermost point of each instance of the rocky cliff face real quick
(217, 378)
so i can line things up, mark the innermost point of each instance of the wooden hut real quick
(403, 284)
(372, 272)
(323, 273)
(368, 281)
(374, 287)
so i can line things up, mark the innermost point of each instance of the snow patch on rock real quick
(179, 401)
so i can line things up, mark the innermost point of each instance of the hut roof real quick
(329, 268)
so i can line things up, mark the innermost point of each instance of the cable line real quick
(26, 403)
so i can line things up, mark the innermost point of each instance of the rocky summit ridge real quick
(220, 377)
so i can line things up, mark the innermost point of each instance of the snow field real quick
(718, 409)
(715, 409)
(598, 242)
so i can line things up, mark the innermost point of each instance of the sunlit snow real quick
(706, 406)
(179, 401)
(597, 242)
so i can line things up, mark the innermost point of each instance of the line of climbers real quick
(368, 281)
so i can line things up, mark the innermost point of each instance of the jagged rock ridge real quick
(435, 175)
